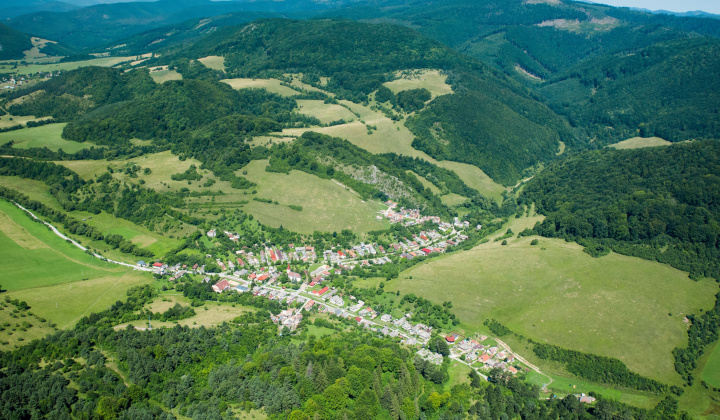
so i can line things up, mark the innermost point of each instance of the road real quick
(523, 360)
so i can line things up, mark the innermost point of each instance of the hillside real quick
(13, 43)
(668, 90)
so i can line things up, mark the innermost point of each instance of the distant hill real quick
(496, 123)
(102, 24)
(13, 43)
(669, 90)
(11, 9)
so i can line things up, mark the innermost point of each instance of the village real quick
(262, 274)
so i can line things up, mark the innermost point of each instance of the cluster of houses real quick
(432, 357)
(289, 318)
(489, 356)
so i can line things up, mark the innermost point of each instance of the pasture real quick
(9, 120)
(640, 142)
(214, 62)
(165, 75)
(431, 80)
(615, 306)
(7, 67)
(49, 136)
(271, 85)
(327, 206)
(326, 113)
(711, 371)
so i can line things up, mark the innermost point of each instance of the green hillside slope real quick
(13, 43)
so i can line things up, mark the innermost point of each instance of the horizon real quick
(676, 6)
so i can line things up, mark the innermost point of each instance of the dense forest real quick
(13, 43)
(654, 203)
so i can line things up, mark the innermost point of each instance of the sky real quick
(710, 6)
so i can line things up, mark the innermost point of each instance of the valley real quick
(390, 210)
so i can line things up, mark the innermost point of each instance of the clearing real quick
(49, 136)
(432, 80)
(615, 306)
(214, 62)
(271, 85)
(640, 142)
(327, 206)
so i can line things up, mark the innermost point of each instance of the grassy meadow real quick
(271, 85)
(326, 205)
(60, 283)
(711, 371)
(165, 75)
(213, 62)
(9, 120)
(431, 80)
(615, 306)
(640, 142)
(49, 136)
(326, 113)
(7, 67)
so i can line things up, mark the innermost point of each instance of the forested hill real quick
(655, 203)
(669, 90)
(13, 43)
(492, 121)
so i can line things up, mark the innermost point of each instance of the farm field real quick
(49, 136)
(431, 80)
(6, 67)
(640, 142)
(271, 85)
(711, 372)
(165, 75)
(326, 113)
(9, 120)
(213, 62)
(616, 306)
(326, 205)
(36, 190)
(60, 283)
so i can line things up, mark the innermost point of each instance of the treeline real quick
(703, 330)
(656, 203)
(598, 368)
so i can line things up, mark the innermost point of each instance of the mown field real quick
(60, 283)
(49, 136)
(271, 85)
(431, 80)
(640, 142)
(7, 67)
(616, 306)
(326, 206)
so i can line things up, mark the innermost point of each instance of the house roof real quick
(450, 338)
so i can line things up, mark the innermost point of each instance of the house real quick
(321, 291)
(586, 399)
(514, 371)
(142, 264)
(386, 318)
(293, 276)
(157, 265)
(220, 286)
(450, 339)
(485, 357)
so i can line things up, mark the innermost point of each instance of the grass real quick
(453, 199)
(55, 66)
(165, 75)
(327, 206)
(271, 85)
(615, 306)
(9, 120)
(213, 62)
(49, 136)
(210, 314)
(431, 80)
(326, 113)
(36, 190)
(699, 401)
(426, 183)
(459, 374)
(640, 142)
(711, 371)
(59, 282)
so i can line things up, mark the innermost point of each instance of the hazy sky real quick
(710, 6)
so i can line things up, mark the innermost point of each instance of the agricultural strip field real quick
(431, 80)
(326, 205)
(6, 67)
(640, 142)
(271, 85)
(616, 306)
(49, 136)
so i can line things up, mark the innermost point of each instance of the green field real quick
(326, 113)
(49, 136)
(431, 80)
(553, 292)
(213, 62)
(640, 142)
(327, 206)
(711, 372)
(165, 75)
(9, 120)
(271, 85)
(59, 282)
(52, 67)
